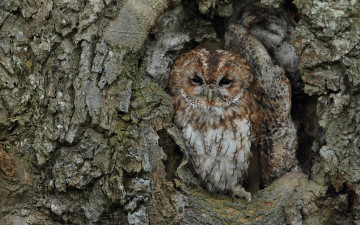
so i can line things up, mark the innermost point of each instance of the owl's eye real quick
(224, 81)
(197, 80)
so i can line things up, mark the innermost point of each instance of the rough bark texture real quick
(86, 132)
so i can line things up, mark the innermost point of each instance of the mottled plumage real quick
(216, 106)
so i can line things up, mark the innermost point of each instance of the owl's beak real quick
(210, 95)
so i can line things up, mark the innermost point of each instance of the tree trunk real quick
(86, 131)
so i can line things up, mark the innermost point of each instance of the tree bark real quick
(86, 131)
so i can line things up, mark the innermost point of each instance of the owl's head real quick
(218, 78)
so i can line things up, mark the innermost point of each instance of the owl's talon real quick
(241, 193)
(249, 199)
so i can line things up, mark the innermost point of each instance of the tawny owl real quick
(217, 107)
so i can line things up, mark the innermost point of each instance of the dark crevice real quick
(139, 64)
(16, 12)
(218, 24)
(127, 179)
(115, 213)
(292, 11)
(173, 153)
(310, 134)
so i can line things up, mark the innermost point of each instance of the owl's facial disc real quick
(192, 81)
(204, 92)
(224, 84)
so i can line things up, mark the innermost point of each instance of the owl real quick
(217, 108)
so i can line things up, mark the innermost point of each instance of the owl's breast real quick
(218, 143)
(200, 117)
